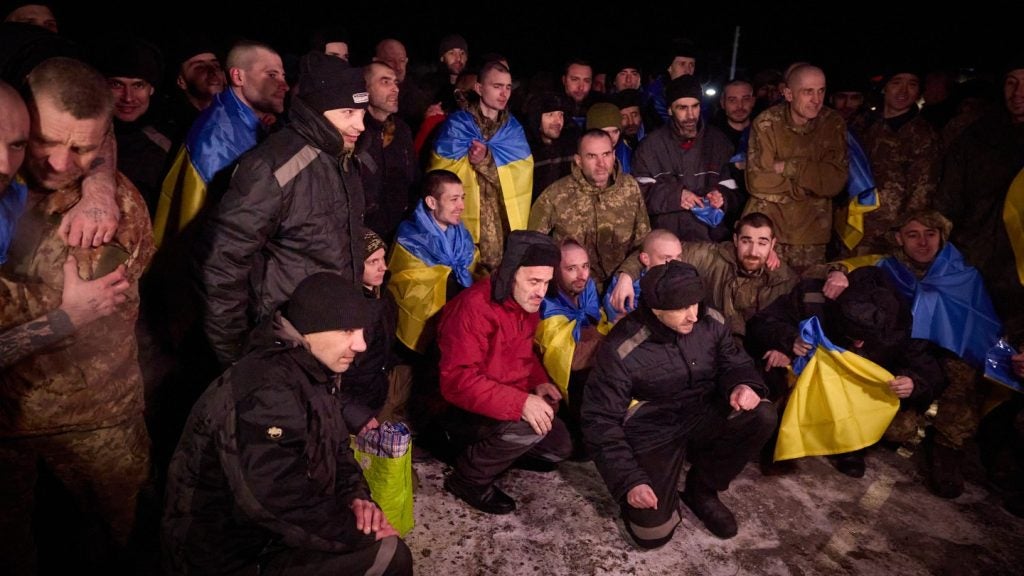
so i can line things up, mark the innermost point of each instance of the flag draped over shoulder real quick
(1013, 219)
(559, 330)
(860, 185)
(841, 401)
(950, 305)
(421, 261)
(223, 132)
(511, 156)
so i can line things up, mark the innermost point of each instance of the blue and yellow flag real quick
(1013, 218)
(841, 401)
(223, 132)
(512, 157)
(610, 312)
(12, 205)
(559, 330)
(860, 186)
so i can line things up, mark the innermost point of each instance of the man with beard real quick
(199, 79)
(551, 144)
(268, 232)
(737, 104)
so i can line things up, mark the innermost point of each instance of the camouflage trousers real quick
(104, 470)
(958, 414)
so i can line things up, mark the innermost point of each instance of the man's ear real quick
(645, 259)
(431, 203)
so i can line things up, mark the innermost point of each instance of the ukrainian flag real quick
(559, 330)
(841, 401)
(1013, 218)
(511, 155)
(860, 185)
(223, 132)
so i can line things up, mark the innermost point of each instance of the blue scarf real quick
(587, 314)
(424, 239)
(12, 204)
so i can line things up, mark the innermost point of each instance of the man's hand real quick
(800, 348)
(772, 262)
(642, 496)
(550, 393)
(743, 397)
(901, 386)
(835, 284)
(688, 200)
(716, 199)
(371, 425)
(434, 109)
(623, 295)
(774, 359)
(538, 414)
(87, 300)
(477, 152)
(93, 220)
(369, 518)
(779, 166)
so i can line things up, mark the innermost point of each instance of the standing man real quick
(551, 144)
(503, 402)
(199, 79)
(486, 147)
(796, 164)
(737, 104)
(83, 421)
(577, 81)
(699, 398)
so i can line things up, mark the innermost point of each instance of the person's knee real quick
(651, 536)
(401, 562)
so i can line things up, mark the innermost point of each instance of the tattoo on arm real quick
(27, 339)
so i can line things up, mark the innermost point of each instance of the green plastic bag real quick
(385, 455)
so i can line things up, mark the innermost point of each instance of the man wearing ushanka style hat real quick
(697, 395)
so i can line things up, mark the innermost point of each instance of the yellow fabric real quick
(516, 188)
(849, 222)
(182, 195)
(420, 292)
(390, 482)
(861, 261)
(841, 402)
(556, 346)
(1013, 218)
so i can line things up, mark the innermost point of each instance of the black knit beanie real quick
(325, 302)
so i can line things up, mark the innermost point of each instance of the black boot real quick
(946, 478)
(704, 503)
(850, 463)
(487, 499)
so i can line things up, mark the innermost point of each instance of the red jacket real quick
(488, 365)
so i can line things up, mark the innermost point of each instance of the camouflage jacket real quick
(610, 223)
(799, 200)
(91, 379)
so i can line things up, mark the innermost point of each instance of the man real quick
(606, 116)
(331, 40)
(679, 169)
(272, 492)
(847, 97)
(660, 246)
(503, 402)
(699, 398)
(134, 70)
(229, 127)
(486, 147)
(737, 104)
(199, 78)
(596, 205)
(392, 52)
(433, 260)
(389, 167)
(633, 121)
(36, 14)
(626, 76)
(577, 80)
(796, 164)
(271, 228)
(14, 130)
(682, 62)
(906, 156)
(551, 145)
(84, 420)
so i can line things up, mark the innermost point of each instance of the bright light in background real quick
(709, 91)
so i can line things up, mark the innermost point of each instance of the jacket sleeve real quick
(777, 326)
(735, 366)
(238, 229)
(921, 364)
(662, 189)
(821, 176)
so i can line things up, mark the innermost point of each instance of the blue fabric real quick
(12, 204)
(999, 365)
(508, 144)
(624, 155)
(223, 132)
(587, 314)
(950, 305)
(812, 333)
(424, 239)
(860, 183)
(612, 313)
(708, 215)
(741, 147)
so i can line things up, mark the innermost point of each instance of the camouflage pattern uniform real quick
(494, 226)
(799, 200)
(905, 163)
(610, 223)
(78, 405)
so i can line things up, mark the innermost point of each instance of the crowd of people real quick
(209, 286)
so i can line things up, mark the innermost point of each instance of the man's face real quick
(681, 66)
(919, 242)
(393, 54)
(738, 102)
(374, 268)
(600, 83)
(753, 245)
(661, 251)
(685, 114)
(263, 84)
(529, 286)
(614, 133)
(682, 320)
(35, 14)
(61, 147)
(631, 120)
(551, 124)
(349, 122)
(454, 61)
(847, 103)
(201, 76)
(336, 349)
(495, 90)
(382, 85)
(337, 49)
(448, 207)
(901, 92)
(626, 79)
(577, 81)
(1013, 92)
(596, 159)
(14, 131)
(131, 97)
(806, 96)
(574, 270)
